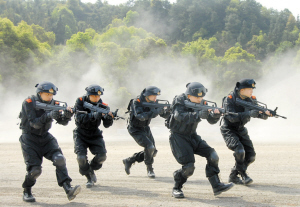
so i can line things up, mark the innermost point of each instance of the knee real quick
(35, 172)
(239, 153)
(100, 158)
(59, 160)
(213, 158)
(81, 159)
(188, 170)
(150, 150)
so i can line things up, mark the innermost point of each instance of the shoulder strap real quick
(129, 106)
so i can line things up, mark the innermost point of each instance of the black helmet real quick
(94, 90)
(245, 83)
(195, 89)
(151, 90)
(46, 87)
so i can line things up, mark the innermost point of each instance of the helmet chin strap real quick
(148, 100)
(242, 96)
(92, 101)
(38, 94)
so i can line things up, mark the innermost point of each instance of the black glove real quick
(216, 116)
(109, 117)
(254, 113)
(140, 117)
(96, 115)
(159, 110)
(53, 114)
(68, 114)
(203, 114)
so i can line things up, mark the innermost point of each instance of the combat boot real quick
(128, 163)
(217, 186)
(27, 195)
(71, 191)
(234, 178)
(245, 178)
(150, 171)
(89, 182)
(177, 192)
(93, 176)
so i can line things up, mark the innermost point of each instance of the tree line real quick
(226, 39)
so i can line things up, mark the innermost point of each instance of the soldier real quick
(138, 128)
(185, 142)
(37, 142)
(235, 134)
(88, 135)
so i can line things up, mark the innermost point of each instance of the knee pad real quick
(239, 153)
(188, 170)
(35, 172)
(82, 160)
(58, 160)
(213, 158)
(150, 150)
(100, 158)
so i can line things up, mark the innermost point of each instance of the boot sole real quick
(127, 172)
(151, 177)
(248, 183)
(179, 196)
(222, 191)
(77, 190)
(237, 183)
(29, 200)
(88, 186)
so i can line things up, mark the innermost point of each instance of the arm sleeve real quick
(35, 122)
(229, 107)
(82, 118)
(139, 113)
(183, 116)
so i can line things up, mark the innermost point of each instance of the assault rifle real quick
(59, 106)
(157, 105)
(101, 108)
(258, 106)
(199, 107)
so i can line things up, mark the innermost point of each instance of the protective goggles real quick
(155, 91)
(199, 91)
(251, 81)
(95, 89)
(47, 87)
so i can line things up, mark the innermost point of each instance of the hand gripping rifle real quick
(199, 107)
(258, 106)
(101, 108)
(59, 105)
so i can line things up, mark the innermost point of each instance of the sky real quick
(292, 5)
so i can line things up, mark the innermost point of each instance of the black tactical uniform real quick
(138, 128)
(236, 135)
(185, 142)
(88, 135)
(37, 142)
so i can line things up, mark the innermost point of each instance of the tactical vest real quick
(181, 127)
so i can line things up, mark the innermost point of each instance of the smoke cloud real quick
(279, 88)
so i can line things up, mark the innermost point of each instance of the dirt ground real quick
(276, 175)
